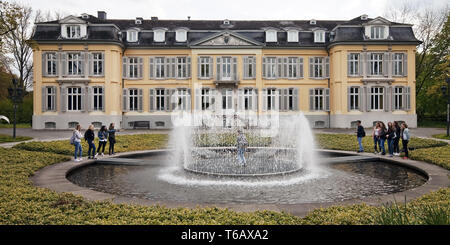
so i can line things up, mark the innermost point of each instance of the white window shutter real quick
(264, 68)
(103, 98)
(234, 71)
(125, 106)
(140, 98)
(218, 64)
(296, 99)
(300, 68)
(311, 99)
(327, 67)
(188, 66)
(405, 64)
(189, 100)
(349, 99)
(255, 99)
(91, 64)
(327, 99)
(44, 99)
(199, 70)
(408, 98)
(279, 73)
(152, 103)
(152, 67)
(83, 99)
(285, 68)
(125, 67)
(140, 67)
(386, 99)
(210, 67)
(44, 64)
(198, 99)
(64, 64)
(361, 61)
(90, 99)
(349, 68)
(240, 98)
(385, 64)
(311, 67)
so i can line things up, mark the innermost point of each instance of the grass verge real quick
(7, 138)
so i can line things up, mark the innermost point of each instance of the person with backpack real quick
(397, 139)
(405, 139)
(89, 136)
(382, 136)
(111, 138)
(360, 134)
(76, 141)
(390, 136)
(102, 138)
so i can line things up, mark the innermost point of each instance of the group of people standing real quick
(392, 134)
(104, 135)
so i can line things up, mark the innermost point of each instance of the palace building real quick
(94, 70)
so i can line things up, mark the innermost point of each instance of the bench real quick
(141, 124)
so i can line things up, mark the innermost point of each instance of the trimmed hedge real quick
(437, 155)
(7, 138)
(124, 143)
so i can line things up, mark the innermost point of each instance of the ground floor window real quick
(98, 98)
(318, 99)
(376, 98)
(74, 96)
(133, 99)
(160, 101)
(398, 98)
(354, 98)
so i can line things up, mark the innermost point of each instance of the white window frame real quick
(160, 71)
(354, 62)
(181, 67)
(51, 63)
(398, 98)
(181, 35)
(247, 99)
(319, 36)
(376, 64)
(74, 97)
(397, 63)
(132, 36)
(318, 65)
(133, 67)
(272, 98)
(206, 99)
(73, 31)
(98, 93)
(97, 62)
(271, 36)
(226, 68)
(159, 36)
(319, 99)
(160, 99)
(271, 69)
(205, 67)
(377, 32)
(292, 68)
(290, 99)
(133, 99)
(75, 62)
(249, 67)
(182, 99)
(377, 99)
(354, 99)
(227, 99)
(51, 98)
(292, 36)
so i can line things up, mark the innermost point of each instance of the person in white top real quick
(77, 143)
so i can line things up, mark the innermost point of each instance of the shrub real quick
(437, 155)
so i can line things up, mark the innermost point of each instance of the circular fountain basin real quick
(149, 177)
(260, 161)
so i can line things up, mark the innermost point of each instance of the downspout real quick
(329, 112)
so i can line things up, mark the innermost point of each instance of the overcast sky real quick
(228, 9)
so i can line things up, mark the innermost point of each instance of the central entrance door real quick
(228, 106)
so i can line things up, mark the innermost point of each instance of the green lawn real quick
(19, 125)
(431, 124)
(441, 136)
(8, 138)
(22, 203)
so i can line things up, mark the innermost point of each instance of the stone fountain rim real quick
(53, 177)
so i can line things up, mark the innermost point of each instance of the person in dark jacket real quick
(102, 138)
(111, 138)
(89, 136)
(360, 134)
(382, 137)
(390, 136)
(397, 139)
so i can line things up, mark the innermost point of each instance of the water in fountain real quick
(278, 146)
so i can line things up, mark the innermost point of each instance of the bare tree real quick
(16, 46)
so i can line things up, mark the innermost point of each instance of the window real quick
(271, 67)
(132, 36)
(182, 99)
(133, 67)
(376, 64)
(74, 98)
(272, 98)
(227, 99)
(353, 64)
(159, 65)
(97, 125)
(97, 64)
(397, 62)
(290, 102)
(271, 36)
(319, 36)
(249, 67)
(160, 124)
(50, 63)
(181, 67)
(50, 125)
(181, 35)
(292, 67)
(133, 98)
(75, 64)
(98, 98)
(354, 98)
(205, 67)
(248, 98)
(159, 36)
(160, 101)
(376, 98)
(292, 36)
(206, 98)
(73, 124)
(73, 31)
(377, 32)
(318, 99)
(50, 98)
(317, 67)
(319, 124)
(226, 68)
(398, 98)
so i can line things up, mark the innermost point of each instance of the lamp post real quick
(16, 95)
(446, 91)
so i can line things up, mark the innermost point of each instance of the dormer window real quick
(271, 36)
(138, 21)
(73, 31)
(319, 36)
(226, 22)
(292, 36)
(312, 22)
(159, 35)
(85, 16)
(181, 35)
(377, 32)
(132, 36)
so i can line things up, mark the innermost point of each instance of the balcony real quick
(227, 79)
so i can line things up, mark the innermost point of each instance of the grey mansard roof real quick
(113, 30)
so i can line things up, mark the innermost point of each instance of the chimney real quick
(154, 18)
(101, 15)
